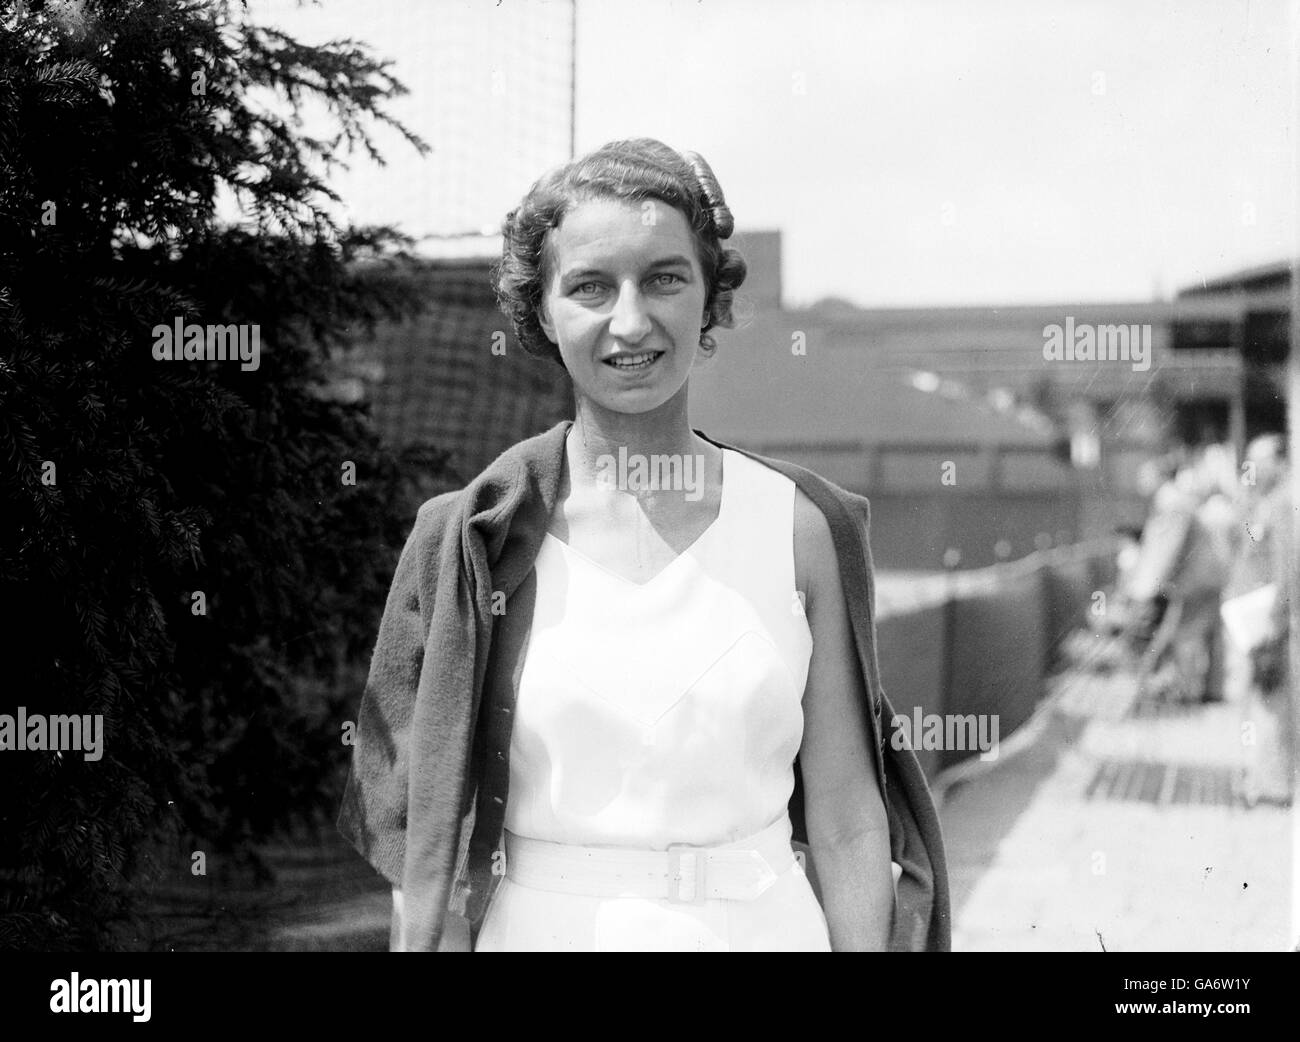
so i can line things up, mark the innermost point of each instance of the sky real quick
(911, 153)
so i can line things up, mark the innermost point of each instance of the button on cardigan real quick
(425, 797)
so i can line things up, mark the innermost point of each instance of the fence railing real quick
(980, 643)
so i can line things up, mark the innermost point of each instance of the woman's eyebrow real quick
(677, 260)
(580, 273)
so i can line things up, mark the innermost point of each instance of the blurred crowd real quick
(1204, 586)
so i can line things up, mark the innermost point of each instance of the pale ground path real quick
(1158, 856)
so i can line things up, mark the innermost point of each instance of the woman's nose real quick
(629, 321)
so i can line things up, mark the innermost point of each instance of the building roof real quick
(1273, 276)
(756, 392)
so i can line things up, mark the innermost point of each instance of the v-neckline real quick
(688, 552)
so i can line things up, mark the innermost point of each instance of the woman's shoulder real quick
(815, 561)
(438, 506)
(819, 489)
(525, 466)
(435, 514)
(820, 502)
(825, 515)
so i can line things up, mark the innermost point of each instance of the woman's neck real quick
(599, 435)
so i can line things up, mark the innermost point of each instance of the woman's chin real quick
(632, 403)
(632, 400)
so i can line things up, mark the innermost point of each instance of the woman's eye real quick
(587, 289)
(667, 278)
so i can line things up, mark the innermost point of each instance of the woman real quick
(672, 668)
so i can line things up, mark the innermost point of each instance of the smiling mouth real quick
(634, 363)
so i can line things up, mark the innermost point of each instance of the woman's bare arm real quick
(848, 829)
(455, 930)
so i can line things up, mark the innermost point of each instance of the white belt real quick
(737, 871)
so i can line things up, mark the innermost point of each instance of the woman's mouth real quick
(633, 363)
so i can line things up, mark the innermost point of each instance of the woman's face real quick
(624, 301)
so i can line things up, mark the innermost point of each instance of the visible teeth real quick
(634, 361)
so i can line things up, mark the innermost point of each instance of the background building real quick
(1042, 451)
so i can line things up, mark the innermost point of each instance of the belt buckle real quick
(686, 873)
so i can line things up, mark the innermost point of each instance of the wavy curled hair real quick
(633, 171)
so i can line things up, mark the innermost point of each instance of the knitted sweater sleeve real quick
(373, 816)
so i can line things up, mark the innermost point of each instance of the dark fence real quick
(982, 642)
(455, 379)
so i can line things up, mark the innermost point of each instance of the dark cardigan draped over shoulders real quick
(413, 792)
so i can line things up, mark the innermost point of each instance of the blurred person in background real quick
(1119, 615)
(1265, 560)
(1256, 617)
(1142, 605)
(1184, 559)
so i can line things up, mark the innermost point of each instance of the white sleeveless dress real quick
(661, 713)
